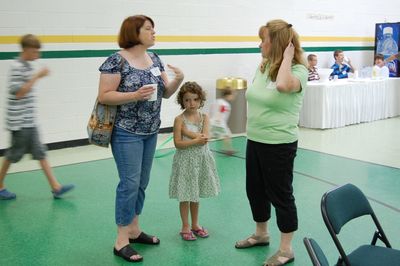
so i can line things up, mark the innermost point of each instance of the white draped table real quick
(344, 102)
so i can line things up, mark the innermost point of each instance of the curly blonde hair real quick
(192, 87)
(280, 33)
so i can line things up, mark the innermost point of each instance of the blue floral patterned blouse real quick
(141, 117)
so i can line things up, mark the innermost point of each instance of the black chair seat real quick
(368, 255)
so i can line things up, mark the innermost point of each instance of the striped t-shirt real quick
(20, 112)
(313, 74)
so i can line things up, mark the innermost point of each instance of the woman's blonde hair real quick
(280, 34)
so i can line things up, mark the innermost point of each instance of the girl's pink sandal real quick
(202, 232)
(188, 236)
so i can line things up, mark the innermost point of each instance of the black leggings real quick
(269, 177)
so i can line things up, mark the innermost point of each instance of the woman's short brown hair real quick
(192, 87)
(30, 41)
(130, 29)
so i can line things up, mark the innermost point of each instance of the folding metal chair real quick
(344, 204)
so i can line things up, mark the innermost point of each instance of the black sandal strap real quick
(126, 253)
(144, 238)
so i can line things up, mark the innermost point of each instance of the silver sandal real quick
(259, 241)
(273, 261)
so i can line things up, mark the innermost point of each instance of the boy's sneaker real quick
(64, 189)
(7, 195)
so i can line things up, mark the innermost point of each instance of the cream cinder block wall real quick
(66, 97)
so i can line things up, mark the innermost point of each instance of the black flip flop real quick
(126, 253)
(144, 238)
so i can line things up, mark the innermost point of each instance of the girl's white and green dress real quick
(194, 174)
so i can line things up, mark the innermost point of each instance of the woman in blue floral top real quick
(124, 81)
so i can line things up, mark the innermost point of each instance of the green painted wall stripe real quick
(194, 51)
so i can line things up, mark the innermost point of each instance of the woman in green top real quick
(274, 102)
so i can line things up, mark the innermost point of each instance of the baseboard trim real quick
(78, 142)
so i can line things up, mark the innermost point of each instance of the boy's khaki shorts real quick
(24, 141)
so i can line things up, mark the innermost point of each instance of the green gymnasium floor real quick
(80, 229)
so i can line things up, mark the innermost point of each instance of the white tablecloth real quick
(344, 102)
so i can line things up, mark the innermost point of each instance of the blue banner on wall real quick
(387, 40)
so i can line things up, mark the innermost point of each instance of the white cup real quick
(154, 95)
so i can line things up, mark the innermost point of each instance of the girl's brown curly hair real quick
(192, 87)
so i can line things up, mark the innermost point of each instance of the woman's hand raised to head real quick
(285, 81)
(289, 51)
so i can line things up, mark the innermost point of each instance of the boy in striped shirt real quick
(21, 117)
(312, 67)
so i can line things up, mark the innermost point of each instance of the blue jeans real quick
(133, 155)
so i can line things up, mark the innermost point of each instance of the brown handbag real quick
(101, 124)
(101, 121)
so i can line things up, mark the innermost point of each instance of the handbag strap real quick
(121, 66)
(106, 115)
(106, 107)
